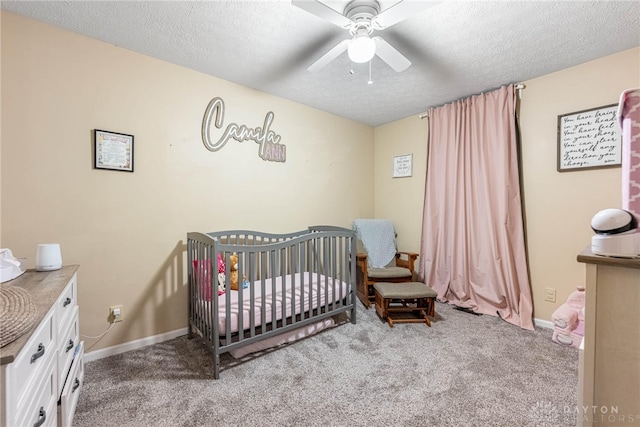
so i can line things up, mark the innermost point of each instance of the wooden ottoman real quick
(405, 302)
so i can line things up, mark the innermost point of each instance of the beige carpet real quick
(465, 370)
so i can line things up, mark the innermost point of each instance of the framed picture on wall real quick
(402, 165)
(589, 139)
(113, 150)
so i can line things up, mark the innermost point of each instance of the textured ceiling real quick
(457, 48)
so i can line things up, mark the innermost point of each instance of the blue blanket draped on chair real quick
(379, 239)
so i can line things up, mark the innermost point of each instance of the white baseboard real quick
(543, 323)
(134, 345)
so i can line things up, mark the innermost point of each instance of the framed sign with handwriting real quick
(402, 165)
(589, 139)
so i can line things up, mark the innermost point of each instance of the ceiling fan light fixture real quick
(361, 49)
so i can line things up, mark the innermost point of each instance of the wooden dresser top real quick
(44, 288)
(589, 257)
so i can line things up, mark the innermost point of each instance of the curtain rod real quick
(517, 86)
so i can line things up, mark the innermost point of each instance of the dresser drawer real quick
(29, 367)
(65, 305)
(66, 347)
(71, 390)
(41, 409)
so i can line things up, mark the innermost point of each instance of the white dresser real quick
(42, 371)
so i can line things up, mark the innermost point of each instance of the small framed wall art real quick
(402, 165)
(113, 150)
(589, 139)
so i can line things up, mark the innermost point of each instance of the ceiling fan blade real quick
(390, 55)
(399, 12)
(323, 11)
(335, 51)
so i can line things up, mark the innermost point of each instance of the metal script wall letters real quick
(270, 148)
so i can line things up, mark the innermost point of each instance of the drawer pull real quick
(76, 384)
(42, 416)
(38, 354)
(69, 346)
(66, 302)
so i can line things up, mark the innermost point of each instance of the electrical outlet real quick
(116, 314)
(550, 294)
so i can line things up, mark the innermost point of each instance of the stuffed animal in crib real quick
(221, 278)
(233, 274)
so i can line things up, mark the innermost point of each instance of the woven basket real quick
(17, 313)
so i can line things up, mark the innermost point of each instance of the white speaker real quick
(48, 257)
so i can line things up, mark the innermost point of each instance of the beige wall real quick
(559, 206)
(401, 199)
(127, 230)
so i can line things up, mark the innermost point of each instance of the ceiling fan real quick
(362, 18)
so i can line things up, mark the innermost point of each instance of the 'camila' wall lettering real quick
(270, 148)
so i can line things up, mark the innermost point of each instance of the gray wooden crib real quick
(288, 283)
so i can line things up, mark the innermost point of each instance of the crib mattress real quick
(290, 295)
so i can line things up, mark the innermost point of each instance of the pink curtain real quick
(472, 246)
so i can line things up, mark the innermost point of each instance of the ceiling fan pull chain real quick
(370, 82)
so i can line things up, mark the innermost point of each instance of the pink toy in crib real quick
(203, 278)
(221, 267)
